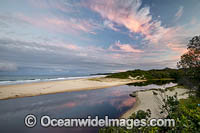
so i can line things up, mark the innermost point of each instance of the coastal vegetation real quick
(161, 74)
(186, 112)
(149, 82)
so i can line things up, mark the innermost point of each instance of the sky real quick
(41, 37)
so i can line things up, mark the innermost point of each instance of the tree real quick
(191, 59)
(190, 62)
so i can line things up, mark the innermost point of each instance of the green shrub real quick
(185, 112)
(150, 74)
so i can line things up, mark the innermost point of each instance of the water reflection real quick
(109, 101)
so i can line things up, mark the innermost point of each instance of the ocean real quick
(21, 79)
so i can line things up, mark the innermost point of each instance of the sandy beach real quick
(51, 87)
(147, 100)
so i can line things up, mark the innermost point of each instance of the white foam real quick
(43, 80)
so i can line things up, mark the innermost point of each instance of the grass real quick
(95, 79)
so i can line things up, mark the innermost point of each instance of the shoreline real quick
(40, 80)
(145, 99)
(53, 87)
(132, 110)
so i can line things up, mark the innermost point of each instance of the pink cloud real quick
(71, 24)
(61, 44)
(72, 47)
(177, 48)
(118, 11)
(130, 15)
(176, 58)
(124, 48)
(121, 70)
(61, 25)
(116, 56)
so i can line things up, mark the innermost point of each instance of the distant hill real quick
(147, 74)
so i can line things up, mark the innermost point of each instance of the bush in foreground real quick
(185, 112)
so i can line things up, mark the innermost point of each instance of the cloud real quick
(179, 13)
(56, 55)
(70, 45)
(61, 5)
(7, 67)
(138, 19)
(71, 25)
(50, 56)
(126, 13)
(110, 25)
(177, 47)
(50, 46)
(131, 15)
(124, 48)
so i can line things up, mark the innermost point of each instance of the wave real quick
(13, 82)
